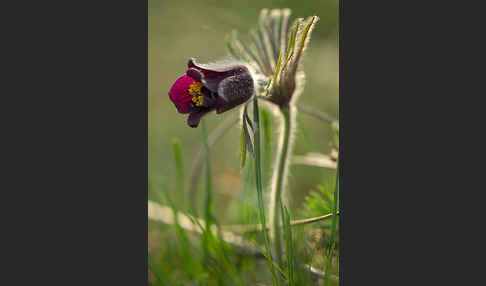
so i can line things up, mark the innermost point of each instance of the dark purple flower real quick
(204, 89)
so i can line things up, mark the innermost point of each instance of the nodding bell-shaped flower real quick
(205, 88)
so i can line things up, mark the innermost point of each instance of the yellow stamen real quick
(195, 91)
(195, 88)
(198, 100)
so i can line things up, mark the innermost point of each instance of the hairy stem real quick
(279, 181)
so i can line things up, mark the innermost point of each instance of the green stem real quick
(280, 177)
(258, 175)
(207, 196)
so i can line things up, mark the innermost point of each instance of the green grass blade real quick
(179, 167)
(207, 196)
(269, 258)
(160, 274)
(333, 229)
(247, 121)
(182, 239)
(267, 141)
(243, 148)
(288, 244)
(259, 187)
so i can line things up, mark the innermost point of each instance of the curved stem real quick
(316, 113)
(309, 111)
(279, 181)
(241, 228)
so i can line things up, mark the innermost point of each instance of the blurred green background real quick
(178, 30)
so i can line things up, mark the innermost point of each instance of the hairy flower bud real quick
(205, 88)
(275, 52)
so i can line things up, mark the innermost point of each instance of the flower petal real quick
(195, 117)
(235, 90)
(211, 77)
(195, 74)
(180, 95)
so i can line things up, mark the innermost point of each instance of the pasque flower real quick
(275, 51)
(204, 88)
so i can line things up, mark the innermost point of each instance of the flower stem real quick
(259, 185)
(279, 181)
(207, 196)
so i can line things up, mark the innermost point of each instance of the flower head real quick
(204, 88)
(275, 51)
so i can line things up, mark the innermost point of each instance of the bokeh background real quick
(178, 30)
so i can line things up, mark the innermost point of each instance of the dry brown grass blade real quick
(241, 228)
(314, 159)
(164, 214)
(315, 113)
